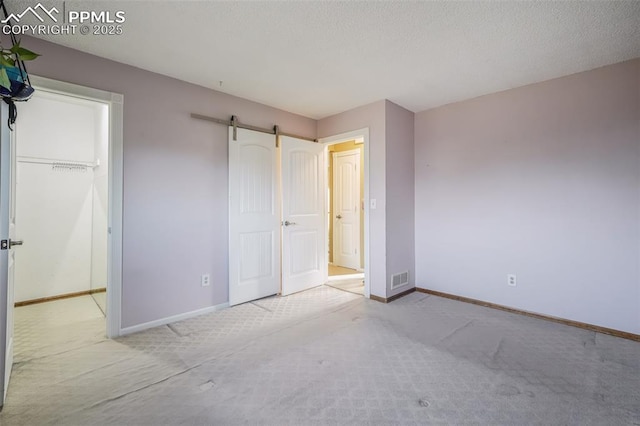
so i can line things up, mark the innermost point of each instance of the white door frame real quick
(346, 137)
(115, 102)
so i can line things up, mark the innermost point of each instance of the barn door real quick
(304, 247)
(254, 217)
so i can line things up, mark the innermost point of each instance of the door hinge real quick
(4, 245)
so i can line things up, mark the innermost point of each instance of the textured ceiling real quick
(318, 58)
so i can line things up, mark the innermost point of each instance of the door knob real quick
(287, 223)
(15, 243)
(339, 217)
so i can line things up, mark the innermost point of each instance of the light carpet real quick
(325, 357)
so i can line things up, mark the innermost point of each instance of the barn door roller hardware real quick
(235, 123)
(7, 244)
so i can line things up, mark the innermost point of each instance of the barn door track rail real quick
(235, 123)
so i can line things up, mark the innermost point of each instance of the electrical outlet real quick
(511, 280)
(205, 280)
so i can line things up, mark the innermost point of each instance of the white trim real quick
(115, 102)
(346, 137)
(174, 318)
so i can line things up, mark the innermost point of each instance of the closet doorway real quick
(345, 216)
(62, 208)
(52, 329)
(278, 213)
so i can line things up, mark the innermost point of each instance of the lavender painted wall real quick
(391, 176)
(373, 117)
(400, 230)
(540, 181)
(175, 179)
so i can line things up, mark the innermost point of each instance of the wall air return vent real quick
(399, 279)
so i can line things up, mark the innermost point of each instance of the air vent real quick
(400, 279)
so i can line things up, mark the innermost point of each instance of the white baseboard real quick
(174, 318)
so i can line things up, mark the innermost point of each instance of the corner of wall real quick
(371, 116)
(400, 184)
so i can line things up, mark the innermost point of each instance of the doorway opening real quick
(9, 219)
(61, 208)
(345, 220)
(347, 214)
(278, 214)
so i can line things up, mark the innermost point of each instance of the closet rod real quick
(236, 124)
(35, 160)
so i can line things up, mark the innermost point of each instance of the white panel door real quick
(7, 254)
(346, 209)
(304, 247)
(254, 217)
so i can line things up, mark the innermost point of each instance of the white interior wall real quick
(54, 208)
(100, 199)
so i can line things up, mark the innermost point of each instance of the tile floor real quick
(326, 356)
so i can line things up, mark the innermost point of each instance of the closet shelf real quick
(53, 161)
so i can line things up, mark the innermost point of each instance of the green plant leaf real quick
(7, 61)
(15, 47)
(25, 54)
(4, 79)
